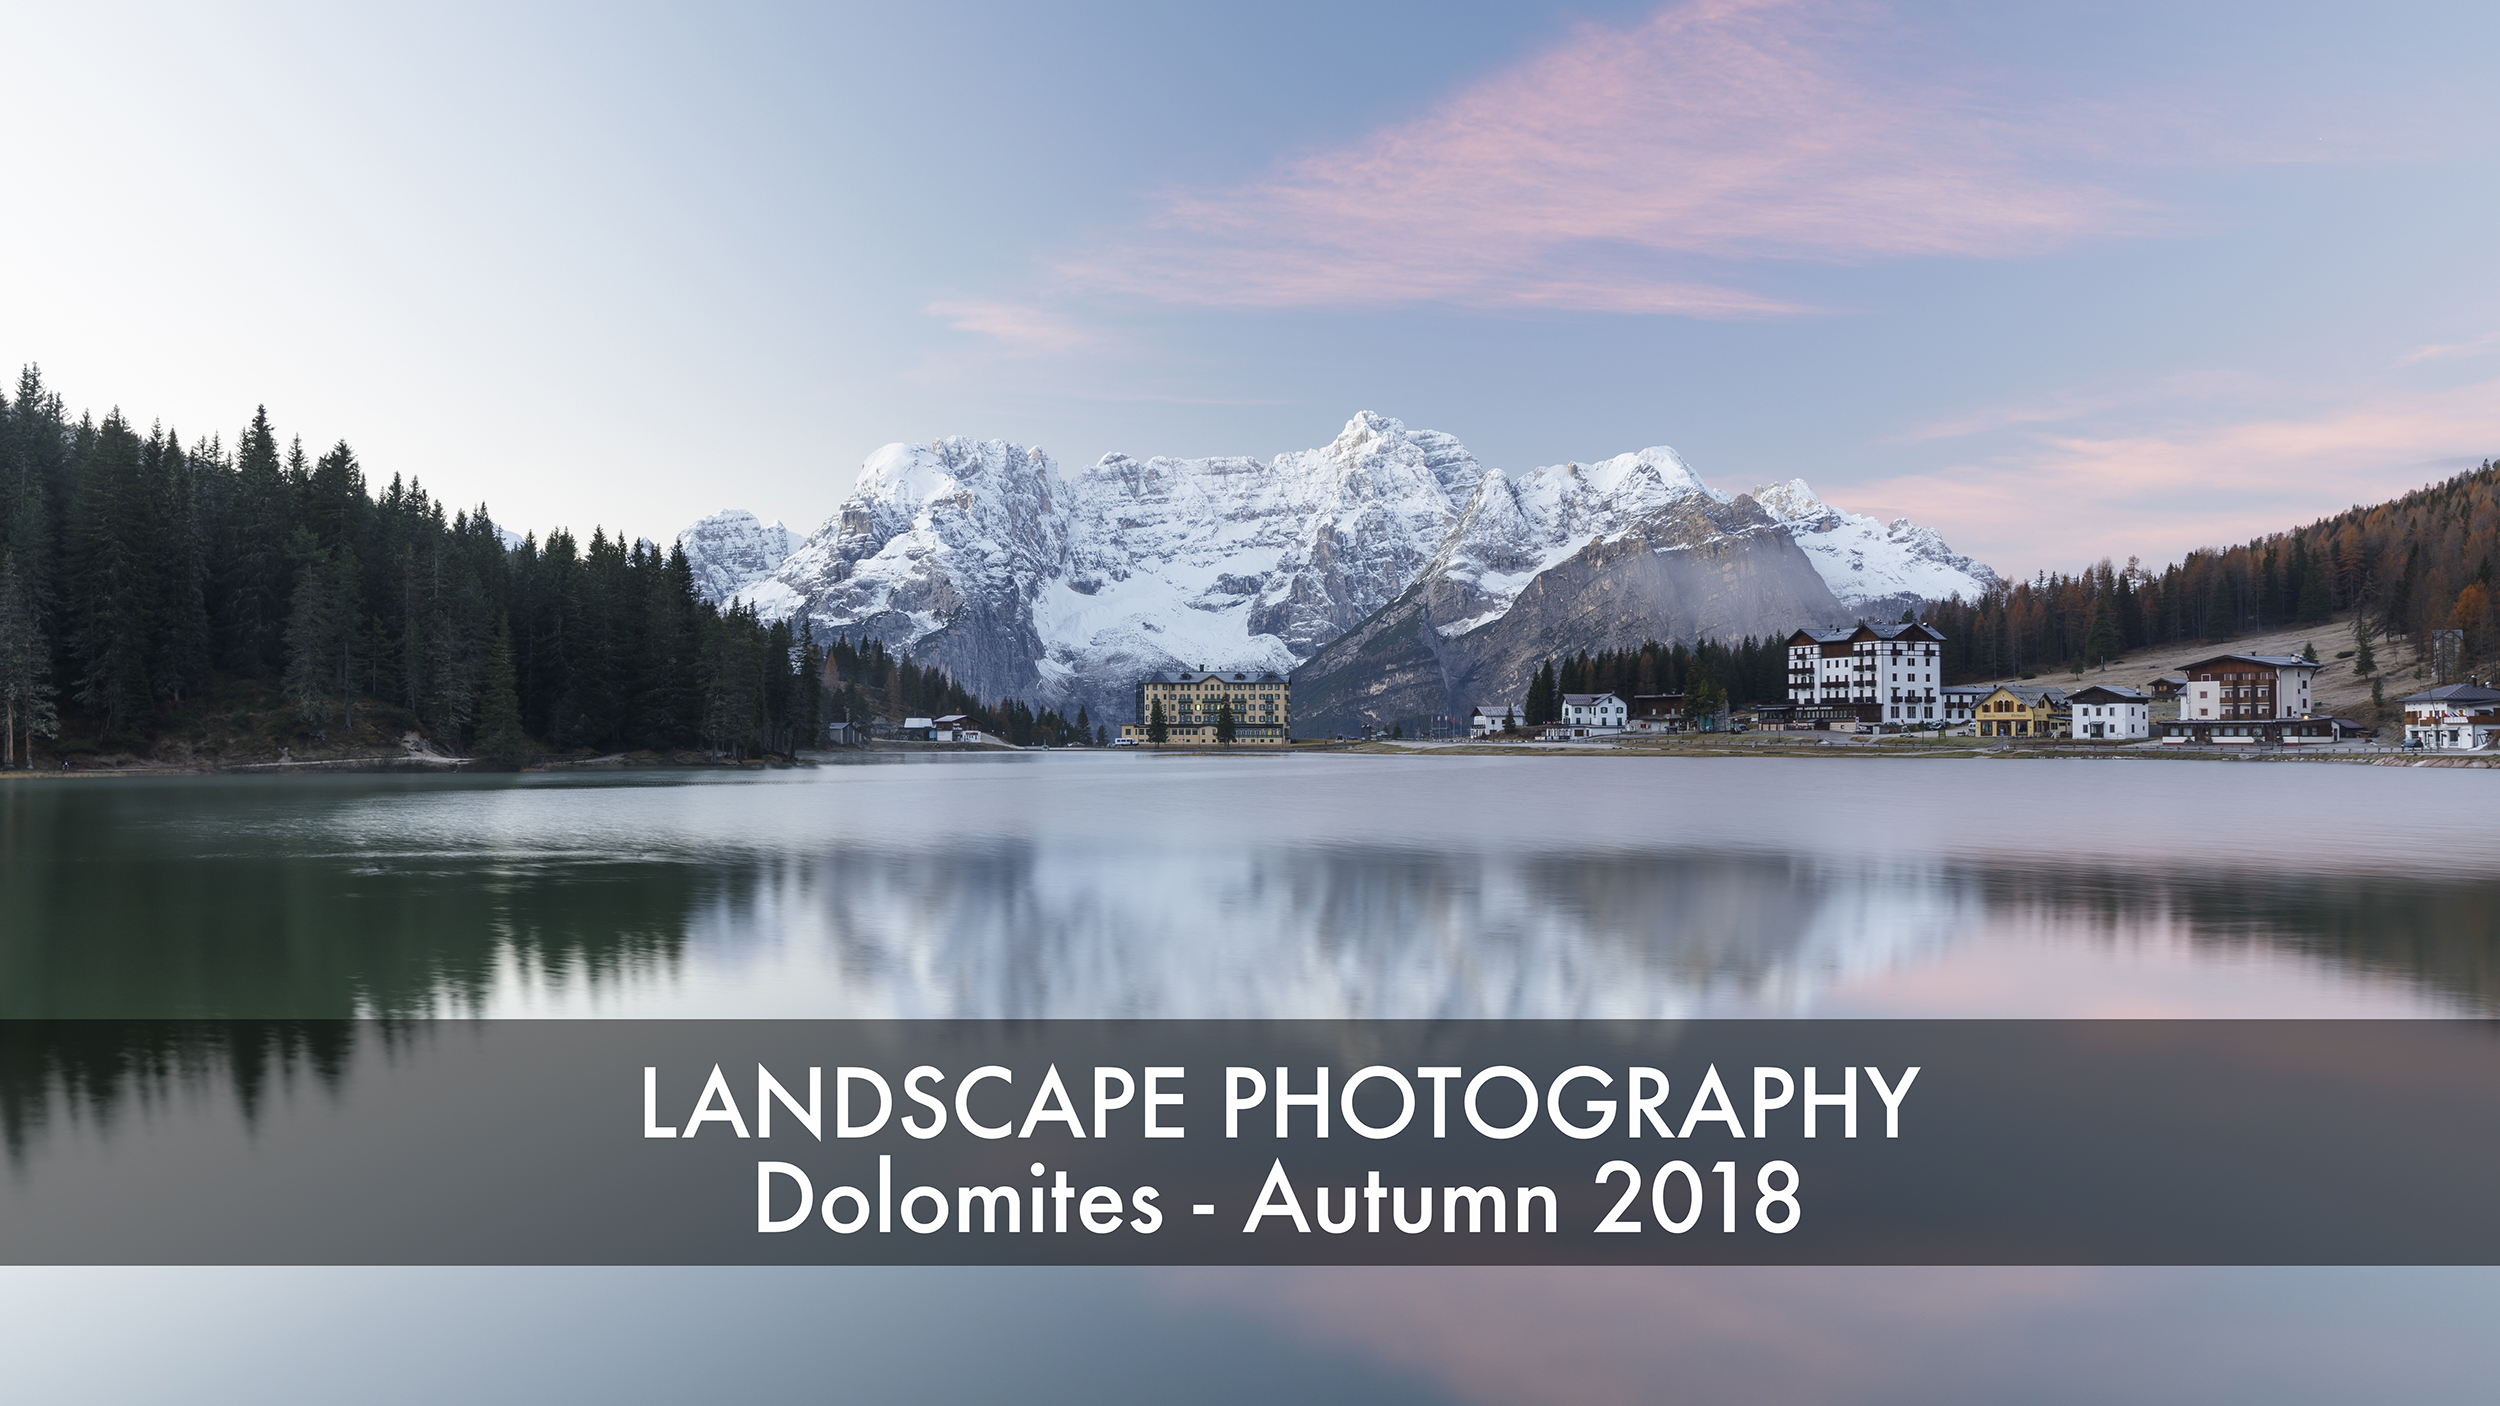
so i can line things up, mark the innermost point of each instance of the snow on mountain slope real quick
(1874, 567)
(1020, 579)
(1132, 565)
(731, 551)
(1512, 533)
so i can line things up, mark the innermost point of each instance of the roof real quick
(916, 722)
(1821, 636)
(1982, 689)
(1212, 676)
(950, 718)
(1901, 628)
(2032, 695)
(1495, 710)
(2107, 693)
(2171, 678)
(2456, 693)
(2271, 661)
(1584, 699)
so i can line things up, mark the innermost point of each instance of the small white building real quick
(2106, 713)
(1591, 714)
(2453, 717)
(1485, 721)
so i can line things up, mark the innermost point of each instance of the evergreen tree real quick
(2317, 600)
(1224, 731)
(2364, 662)
(114, 578)
(321, 636)
(500, 742)
(2309, 651)
(1157, 730)
(26, 707)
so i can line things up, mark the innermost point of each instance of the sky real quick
(2064, 282)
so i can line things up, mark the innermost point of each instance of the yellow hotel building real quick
(2013, 711)
(1191, 699)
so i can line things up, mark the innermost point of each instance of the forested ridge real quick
(2405, 570)
(158, 595)
(2408, 569)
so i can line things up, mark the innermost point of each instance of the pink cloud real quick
(1018, 328)
(2159, 490)
(2486, 345)
(1717, 129)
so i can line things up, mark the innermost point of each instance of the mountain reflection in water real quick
(1307, 887)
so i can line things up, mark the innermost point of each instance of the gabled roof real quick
(2456, 693)
(2031, 695)
(1902, 629)
(1820, 636)
(1584, 699)
(2271, 661)
(2107, 693)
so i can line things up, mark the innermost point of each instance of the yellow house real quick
(2014, 710)
(1193, 702)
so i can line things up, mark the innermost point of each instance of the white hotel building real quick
(1866, 675)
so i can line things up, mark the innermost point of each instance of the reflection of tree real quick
(92, 1070)
(2442, 935)
(100, 918)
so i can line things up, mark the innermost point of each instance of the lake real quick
(1086, 885)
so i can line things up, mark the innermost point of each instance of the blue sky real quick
(2062, 281)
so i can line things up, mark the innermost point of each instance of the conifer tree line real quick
(138, 570)
(2410, 567)
(867, 682)
(1710, 675)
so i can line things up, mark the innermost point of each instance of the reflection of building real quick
(1193, 700)
(2023, 710)
(1866, 675)
(2103, 713)
(2453, 716)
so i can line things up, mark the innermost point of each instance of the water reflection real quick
(1302, 887)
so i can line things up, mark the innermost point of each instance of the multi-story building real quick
(1865, 676)
(1193, 700)
(1657, 712)
(1957, 704)
(2248, 699)
(2023, 710)
(1591, 714)
(2453, 717)
(2106, 713)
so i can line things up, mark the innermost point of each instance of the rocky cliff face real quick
(1574, 557)
(733, 550)
(987, 560)
(1389, 546)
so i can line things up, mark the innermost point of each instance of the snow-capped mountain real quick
(984, 557)
(1877, 569)
(733, 550)
(1019, 578)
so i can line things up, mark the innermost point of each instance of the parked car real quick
(2414, 743)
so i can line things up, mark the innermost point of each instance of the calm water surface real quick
(1093, 885)
(1086, 885)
